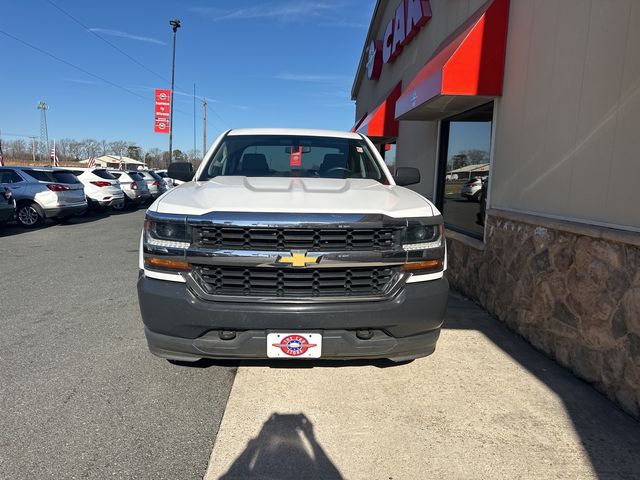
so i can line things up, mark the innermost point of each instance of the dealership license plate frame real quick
(311, 349)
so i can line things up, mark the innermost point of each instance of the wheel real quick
(29, 215)
(476, 196)
(118, 207)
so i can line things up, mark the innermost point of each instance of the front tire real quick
(29, 215)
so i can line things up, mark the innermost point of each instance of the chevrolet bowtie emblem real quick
(298, 259)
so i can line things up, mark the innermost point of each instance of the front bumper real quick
(181, 326)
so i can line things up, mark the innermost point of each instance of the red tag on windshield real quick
(295, 157)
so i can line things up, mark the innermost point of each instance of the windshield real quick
(293, 156)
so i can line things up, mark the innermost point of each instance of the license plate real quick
(294, 345)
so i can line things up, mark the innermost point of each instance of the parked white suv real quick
(471, 189)
(43, 193)
(292, 244)
(101, 188)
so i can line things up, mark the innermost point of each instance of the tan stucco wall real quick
(567, 130)
(417, 148)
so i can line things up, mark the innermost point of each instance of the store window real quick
(464, 161)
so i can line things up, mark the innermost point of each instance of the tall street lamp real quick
(175, 25)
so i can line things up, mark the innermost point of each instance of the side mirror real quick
(182, 171)
(407, 176)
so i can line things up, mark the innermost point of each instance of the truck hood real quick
(293, 195)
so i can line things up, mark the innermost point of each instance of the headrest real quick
(254, 164)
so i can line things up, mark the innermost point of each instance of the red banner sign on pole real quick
(162, 111)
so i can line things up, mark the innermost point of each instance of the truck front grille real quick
(325, 239)
(293, 282)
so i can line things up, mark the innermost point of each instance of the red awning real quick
(467, 69)
(381, 122)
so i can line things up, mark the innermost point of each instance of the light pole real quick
(175, 25)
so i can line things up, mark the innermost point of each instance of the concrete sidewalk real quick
(485, 405)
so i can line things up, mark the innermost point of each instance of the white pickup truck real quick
(290, 243)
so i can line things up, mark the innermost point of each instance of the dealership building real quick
(523, 118)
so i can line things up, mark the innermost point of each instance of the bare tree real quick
(153, 158)
(135, 152)
(194, 156)
(90, 147)
(476, 156)
(458, 161)
(17, 149)
(118, 148)
(165, 159)
(62, 147)
(75, 150)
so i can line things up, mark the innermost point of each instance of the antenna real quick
(204, 127)
(44, 133)
(194, 120)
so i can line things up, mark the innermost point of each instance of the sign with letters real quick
(409, 18)
(162, 111)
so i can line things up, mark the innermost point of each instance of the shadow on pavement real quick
(610, 437)
(286, 449)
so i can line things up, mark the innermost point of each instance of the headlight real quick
(424, 243)
(419, 236)
(165, 241)
(164, 233)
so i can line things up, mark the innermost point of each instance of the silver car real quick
(133, 186)
(155, 183)
(168, 181)
(43, 193)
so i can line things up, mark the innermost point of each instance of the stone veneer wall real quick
(572, 290)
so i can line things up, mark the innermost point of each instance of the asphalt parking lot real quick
(81, 397)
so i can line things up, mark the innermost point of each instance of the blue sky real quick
(259, 63)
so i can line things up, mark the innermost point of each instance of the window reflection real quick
(466, 171)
